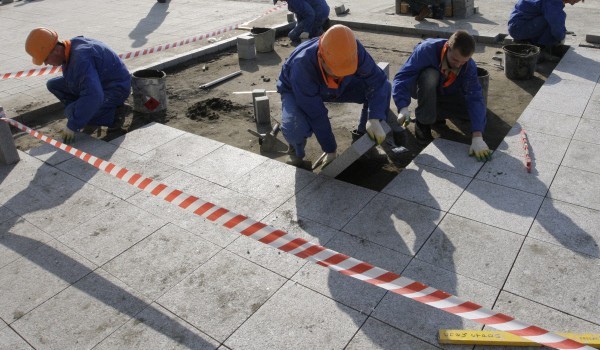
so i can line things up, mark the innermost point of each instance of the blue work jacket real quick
(308, 11)
(427, 54)
(301, 76)
(552, 11)
(92, 69)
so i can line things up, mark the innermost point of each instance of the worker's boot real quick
(425, 11)
(293, 159)
(423, 133)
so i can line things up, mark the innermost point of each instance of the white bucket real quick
(264, 39)
(149, 91)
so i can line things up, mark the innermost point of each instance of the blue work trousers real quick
(535, 30)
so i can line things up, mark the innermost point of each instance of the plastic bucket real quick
(264, 39)
(520, 60)
(484, 79)
(149, 91)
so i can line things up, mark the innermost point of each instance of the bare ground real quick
(219, 114)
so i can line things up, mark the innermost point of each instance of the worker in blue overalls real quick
(332, 68)
(311, 17)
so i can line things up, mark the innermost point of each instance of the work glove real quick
(304, 35)
(480, 149)
(328, 159)
(404, 117)
(67, 135)
(375, 131)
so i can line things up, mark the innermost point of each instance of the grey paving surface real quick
(88, 262)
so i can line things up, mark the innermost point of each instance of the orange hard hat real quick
(40, 43)
(337, 47)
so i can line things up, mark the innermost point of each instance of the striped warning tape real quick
(34, 72)
(304, 249)
(525, 142)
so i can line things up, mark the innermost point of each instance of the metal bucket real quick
(149, 91)
(264, 39)
(484, 79)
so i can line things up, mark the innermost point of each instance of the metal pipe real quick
(228, 76)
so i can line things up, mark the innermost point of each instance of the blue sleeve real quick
(408, 74)
(304, 12)
(555, 16)
(473, 93)
(378, 89)
(91, 94)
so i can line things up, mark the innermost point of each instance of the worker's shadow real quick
(55, 191)
(147, 25)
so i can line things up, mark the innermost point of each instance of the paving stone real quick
(311, 321)
(161, 260)
(557, 103)
(574, 186)
(592, 110)
(498, 206)
(423, 321)
(472, 249)
(374, 335)
(429, 186)
(177, 151)
(557, 85)
(583, 156)
(588, 131)
(112, 232)
(141, 333)
(346, 290)
(17, 238)
(83, 314)
(542, 147)
(53, 156)
(552, 123)
(11, 340)
(147, 138)
(568, 225)
(578, 64)
(395, 223)
(274, 259)
(273, 182)
(6, 214)
(557, 277)
(450, 156)
(16, 177)
(221, 294)
(510, 171)
(225, 165)
(28, 282)
(343, 202)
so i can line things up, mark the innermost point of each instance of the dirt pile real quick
(209, 109)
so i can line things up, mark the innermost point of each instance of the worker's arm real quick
(421, 58)
(378, 88)
(86, 80)
(555, 15)
(471, 89)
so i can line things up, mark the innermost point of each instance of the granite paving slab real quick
(542, 147)
(450, 156)
(225, 164)
(161, 260)
(82, 315)
(574, 186)
(147, 138)
(549, 122)
(472, 249)
(17, 238)
(557, 277)
(510, 171)
(6, 214)
(38, 276)
(157, 328)
(221, 294)
(588, 131)
(423, 321)
(54, 156)
(318, 322)
(395, 223)
(568, 225)
(11, 340)
(375, 334)
(177, 151)
(428, 186)
(498, 206)
(112, 232)
(592, 110)
(558, 85)
(583, 156)
(348, 291)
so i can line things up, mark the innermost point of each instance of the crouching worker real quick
(94, 83)
(311, 17)
(442, 76)
(332, 68)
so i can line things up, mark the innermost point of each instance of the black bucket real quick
(520, 61)
(484, 79)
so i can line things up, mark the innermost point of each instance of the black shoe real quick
(423, 133)
(119, 118)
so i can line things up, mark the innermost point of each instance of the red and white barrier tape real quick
(34, 72)
(304, 249)
(525, 142)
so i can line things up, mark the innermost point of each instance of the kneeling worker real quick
(332, 68)
(94, 83)
(441, 75)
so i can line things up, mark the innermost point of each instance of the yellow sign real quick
(498, 338)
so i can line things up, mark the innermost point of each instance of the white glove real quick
(328, 159)
(480, 149)
(404, 117)
(67, 135)
(375, 131)
(304, 35)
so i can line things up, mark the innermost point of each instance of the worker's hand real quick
(480, 149)
(404, 117)
(375, 131)
(328, 159)
(304, 35)
(67, 135)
